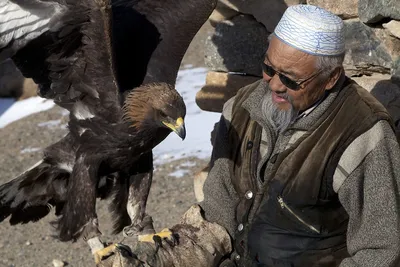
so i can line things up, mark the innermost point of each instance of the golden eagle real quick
(113, 65)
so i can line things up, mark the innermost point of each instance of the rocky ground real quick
(32, 244)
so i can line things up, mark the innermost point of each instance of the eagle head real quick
(154, 106)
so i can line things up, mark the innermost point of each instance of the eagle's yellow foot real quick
(99, 254)
(157, 238)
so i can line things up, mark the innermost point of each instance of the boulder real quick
(237, 46)
(374, 11)
(219, 88)
(13, 84)
(369, 50)
(198, 183)
(11, 80)
(222, 12)
(383, 88)
(396, 71)
(370, 82)
(29, 89)
(393, 27)
(266, 12)
(345, 9)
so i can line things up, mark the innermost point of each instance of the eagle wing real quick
(65, 47)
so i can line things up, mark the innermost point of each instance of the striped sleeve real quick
(356, 152)
(367, 181)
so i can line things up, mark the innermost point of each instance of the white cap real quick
(312, 29)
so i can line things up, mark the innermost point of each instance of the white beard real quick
(278, 118)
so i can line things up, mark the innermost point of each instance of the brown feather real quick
(141, 102)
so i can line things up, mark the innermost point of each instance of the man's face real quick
(298, 66)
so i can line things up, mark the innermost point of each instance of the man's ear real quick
(333, 78)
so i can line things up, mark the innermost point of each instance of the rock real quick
(345, 9)
(29, 89)
(58, 263)
(11, 80)
(393, 27)
(368, 50)
(13, 84)
(198, 183)
(373, 11)
(369, 82)
(237, 46)
(219, 88)
(222, 12)
(266, 12)
(385, 90)
(396, 71)
(28, 243)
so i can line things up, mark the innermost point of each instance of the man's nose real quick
(276, 85)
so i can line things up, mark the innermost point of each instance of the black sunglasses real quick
(286, 81)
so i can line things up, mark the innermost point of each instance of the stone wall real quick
(372, 30)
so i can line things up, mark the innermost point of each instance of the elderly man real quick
(305, 169)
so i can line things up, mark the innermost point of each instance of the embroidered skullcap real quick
(311, 29)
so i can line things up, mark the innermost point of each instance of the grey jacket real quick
(367, 181)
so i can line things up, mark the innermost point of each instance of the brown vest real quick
(298, 220)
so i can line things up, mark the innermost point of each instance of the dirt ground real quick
(20, 144)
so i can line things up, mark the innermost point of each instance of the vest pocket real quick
(293, 214)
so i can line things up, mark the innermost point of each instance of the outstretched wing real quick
(150, 38)
(70, 59)
(23, 21)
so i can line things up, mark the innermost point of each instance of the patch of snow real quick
(188, 164)
(30, 150)
(19, 109)
(199, 123)
(187, 66)
(64, 112)
(50, 124)
(178, 173)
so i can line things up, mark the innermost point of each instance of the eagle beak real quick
(178, 128)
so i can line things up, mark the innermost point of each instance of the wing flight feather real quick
(65, 47)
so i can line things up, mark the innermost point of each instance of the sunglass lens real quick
(268, 70)
(289, 83)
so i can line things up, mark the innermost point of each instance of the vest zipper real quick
(285, 206)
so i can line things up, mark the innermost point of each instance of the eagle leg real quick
(104, 252)
(157, 238)
(101, 253)
(139, 189)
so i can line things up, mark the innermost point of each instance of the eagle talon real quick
(157, 241)
(130, 231)
(107, 251)
(157, 238)
(144, 227)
